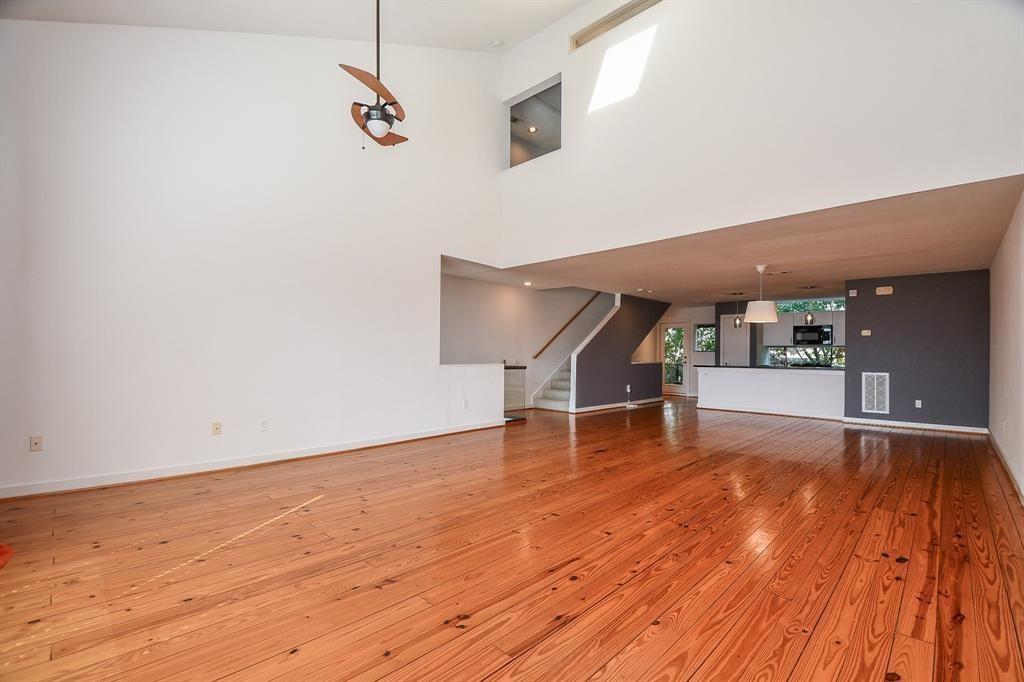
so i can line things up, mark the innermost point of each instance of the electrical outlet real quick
(465, 404)
(853, 292)
(215, 428)
(264, 424)
(35, 444)
(627, 388)
(917, 403)
(1002, 425)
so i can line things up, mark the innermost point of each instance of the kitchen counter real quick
(802, 369)
(795, 391)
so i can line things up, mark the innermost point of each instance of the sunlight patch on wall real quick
(622, 69)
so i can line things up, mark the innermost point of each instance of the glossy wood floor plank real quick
(657, 543)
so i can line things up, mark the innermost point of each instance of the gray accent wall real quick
(932, 336)
(603, 367)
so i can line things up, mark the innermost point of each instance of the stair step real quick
(556, 393)
(560, 383)
(564, 375)
(557, 405)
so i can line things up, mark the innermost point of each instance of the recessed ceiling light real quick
(650, 291)
(532, 129)
(527, 284)
(497, 43)
(809, 286)
(640, 289)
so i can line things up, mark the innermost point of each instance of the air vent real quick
(874, 392)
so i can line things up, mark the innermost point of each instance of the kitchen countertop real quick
(798, 369)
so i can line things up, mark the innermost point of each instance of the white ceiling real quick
(942, 230)
(454, 24)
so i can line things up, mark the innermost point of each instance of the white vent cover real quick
(874, 392)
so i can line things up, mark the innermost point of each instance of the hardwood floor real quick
(657, 543)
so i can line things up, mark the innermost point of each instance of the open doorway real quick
(673, 339)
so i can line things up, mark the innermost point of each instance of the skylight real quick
(622, 69)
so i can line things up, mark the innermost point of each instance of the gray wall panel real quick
(603, 368)
(932, 336)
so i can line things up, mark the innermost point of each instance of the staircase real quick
(555, 395)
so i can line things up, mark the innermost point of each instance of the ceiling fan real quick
(377, 119)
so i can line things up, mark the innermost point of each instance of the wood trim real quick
(609, 21)
(566, 325)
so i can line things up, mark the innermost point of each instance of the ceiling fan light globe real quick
(378, 120)
(378, 127)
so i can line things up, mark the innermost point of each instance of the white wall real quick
(1006, 395)
(191, 233)
(650, 351)
(485, 322)
(748, 111)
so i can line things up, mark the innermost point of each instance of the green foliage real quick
(675, 355)
(811, 304)
(807, 356)
(674, 373)
(675, 344)
(704, 338)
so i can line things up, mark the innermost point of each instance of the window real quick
(704, 340)
(535, 125)
(806, 356)
(811, 305)
(610, 21)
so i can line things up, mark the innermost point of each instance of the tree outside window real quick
(812, 305)
(704, 338)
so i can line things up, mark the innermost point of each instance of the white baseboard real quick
(774, 413)
(1006, 464)
(202, 467)
(610, 406)
(916, 425)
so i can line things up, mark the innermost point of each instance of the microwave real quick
(812, 335)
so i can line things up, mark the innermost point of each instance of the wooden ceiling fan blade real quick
(371, 81)
(357, 115)
(389, 140)
(399, 111)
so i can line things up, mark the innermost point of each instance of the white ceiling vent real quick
(874, 392)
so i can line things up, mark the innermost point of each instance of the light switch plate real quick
(853, 292)
(917, 403)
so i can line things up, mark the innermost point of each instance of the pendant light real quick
(809, 318)
(737, 321)
(761, 311)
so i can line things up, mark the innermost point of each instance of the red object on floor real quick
(6, 552)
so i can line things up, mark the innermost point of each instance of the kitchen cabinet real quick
(735, 343)
(839, 328)
(780, 333)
